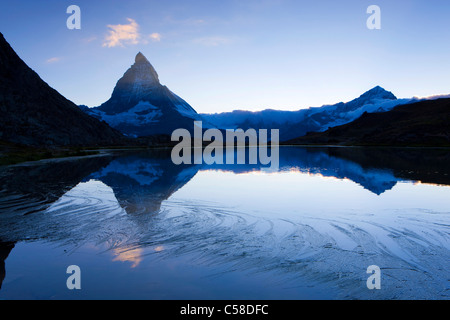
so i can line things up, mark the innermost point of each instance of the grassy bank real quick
(13, 155)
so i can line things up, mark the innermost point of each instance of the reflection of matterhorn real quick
(141, 183)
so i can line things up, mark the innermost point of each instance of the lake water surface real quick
(140, 227)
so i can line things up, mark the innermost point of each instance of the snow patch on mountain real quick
(144, 113)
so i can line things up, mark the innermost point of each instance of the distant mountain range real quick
(34, 114)
(293, 124)
(424, 123)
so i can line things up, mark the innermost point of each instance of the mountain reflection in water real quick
(117, 200)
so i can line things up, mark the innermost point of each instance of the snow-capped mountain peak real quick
(378, 93)
(141, 106)
(298, 123)
(374, 95)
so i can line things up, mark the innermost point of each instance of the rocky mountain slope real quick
(424, 123)
(34, 114)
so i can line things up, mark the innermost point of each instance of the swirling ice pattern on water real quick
(409, 251)
(335, 249)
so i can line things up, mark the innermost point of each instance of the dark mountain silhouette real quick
(5, 250)
(424, 123)
(34, 114)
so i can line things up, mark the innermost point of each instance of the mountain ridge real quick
(293, 124)
(34, 114)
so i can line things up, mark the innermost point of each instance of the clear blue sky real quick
(221, 55)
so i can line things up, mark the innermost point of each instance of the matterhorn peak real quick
(140, 58)
(141, 106)
(141, 73)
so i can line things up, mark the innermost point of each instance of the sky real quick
(223, 55)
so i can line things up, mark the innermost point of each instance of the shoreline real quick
(28, 155)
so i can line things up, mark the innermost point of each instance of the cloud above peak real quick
(53, 60)
(121, 35)
(155, 37)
